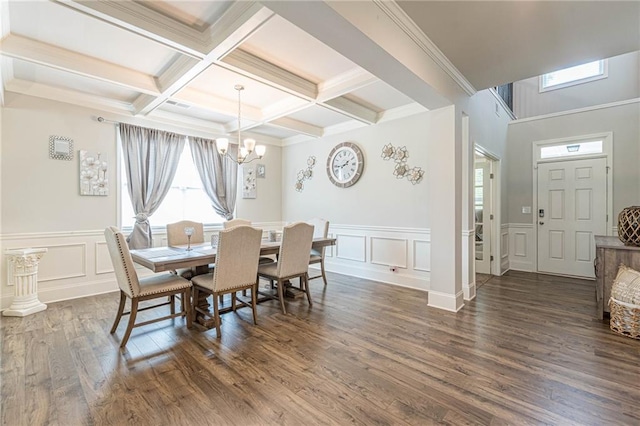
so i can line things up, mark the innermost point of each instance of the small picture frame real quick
(60, 148)
(261, 171)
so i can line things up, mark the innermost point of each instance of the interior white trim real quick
(446, 301)
(576, 111)
(406, 24)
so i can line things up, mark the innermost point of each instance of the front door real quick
(572, 209)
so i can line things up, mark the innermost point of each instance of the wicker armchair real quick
(138, 290)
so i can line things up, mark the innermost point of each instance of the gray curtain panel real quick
(219, 175)
(151, 159)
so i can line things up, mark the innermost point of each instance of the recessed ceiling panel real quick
(55, 24)
(221, 82)
(379, 96)
(283, 44)
(273, 131)
(319, 116)
(52, 77)
(195, 14)
(196, 112)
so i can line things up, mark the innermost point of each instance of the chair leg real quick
(186, 306)
(123, 298)
(172, 305)
(324, 276)
(233, 301)
(254, 296)
(132, 321)
(194, 301)
(216, 315)
(306, 287)
(281, 296)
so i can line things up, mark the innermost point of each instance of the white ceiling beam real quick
(297, 126)
(33, 51)
(347, 82)
(241, 23)
(352, 109)
(216, 104)
(135, 17)
(69, 96)
(252, 66)
(377, 43)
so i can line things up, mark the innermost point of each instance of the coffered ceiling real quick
(309, 68)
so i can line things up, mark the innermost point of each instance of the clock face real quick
(345, 164)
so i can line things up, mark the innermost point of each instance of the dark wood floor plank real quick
(527, 350)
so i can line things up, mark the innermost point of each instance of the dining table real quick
(198, 257)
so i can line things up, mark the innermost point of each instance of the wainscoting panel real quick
(408, 249)
(422, 255)
(63, 261)
(351, 247)
(521, 247)
(103, 260)
(389, 251)
(504, 248)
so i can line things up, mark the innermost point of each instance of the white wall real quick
(623, 82)
(40, 205)
(621, 119)
(381, 221)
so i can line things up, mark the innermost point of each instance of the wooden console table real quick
(610, 253)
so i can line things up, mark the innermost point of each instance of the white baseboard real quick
(68, 292)
(395, 278)
(446, 301)
(469, 292)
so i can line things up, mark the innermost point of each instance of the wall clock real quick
(345, 164)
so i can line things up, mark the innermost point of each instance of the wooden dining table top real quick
(160, 259)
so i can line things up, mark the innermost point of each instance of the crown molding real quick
(577, 111)
(401, 112)
(406, 24)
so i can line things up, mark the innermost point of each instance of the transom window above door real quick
(571, 149)
(575, 75)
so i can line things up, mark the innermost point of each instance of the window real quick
(186, 200)
(571, 149)
(574, 75)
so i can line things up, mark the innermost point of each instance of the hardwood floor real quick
(528, 350)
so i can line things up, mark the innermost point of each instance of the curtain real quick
(151, 159)
(219, 174)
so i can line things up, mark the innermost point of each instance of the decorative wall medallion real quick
(400, 155)
(261, 171)
(305, 174)
(345, 164)
(249, 187)
(93, 173)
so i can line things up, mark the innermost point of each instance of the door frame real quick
(607, 153)
(496, 226)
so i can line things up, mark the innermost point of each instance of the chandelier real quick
(246, 147)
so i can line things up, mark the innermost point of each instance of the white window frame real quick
(603, 75)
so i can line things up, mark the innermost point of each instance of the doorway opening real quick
(483, 209)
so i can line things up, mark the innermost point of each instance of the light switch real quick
(526, 209)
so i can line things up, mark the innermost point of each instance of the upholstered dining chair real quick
(293, 260)
(235, 222)
(141, 289)
(236, 269)
(320, 230)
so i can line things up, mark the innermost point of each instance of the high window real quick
(574, 75)
(186, 200)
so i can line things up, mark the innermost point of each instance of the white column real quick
(445, 209)
(24, 263)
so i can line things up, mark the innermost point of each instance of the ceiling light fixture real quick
(246, 147)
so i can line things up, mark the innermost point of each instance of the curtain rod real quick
(104, 120)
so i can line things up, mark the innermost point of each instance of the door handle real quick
(541, 223)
